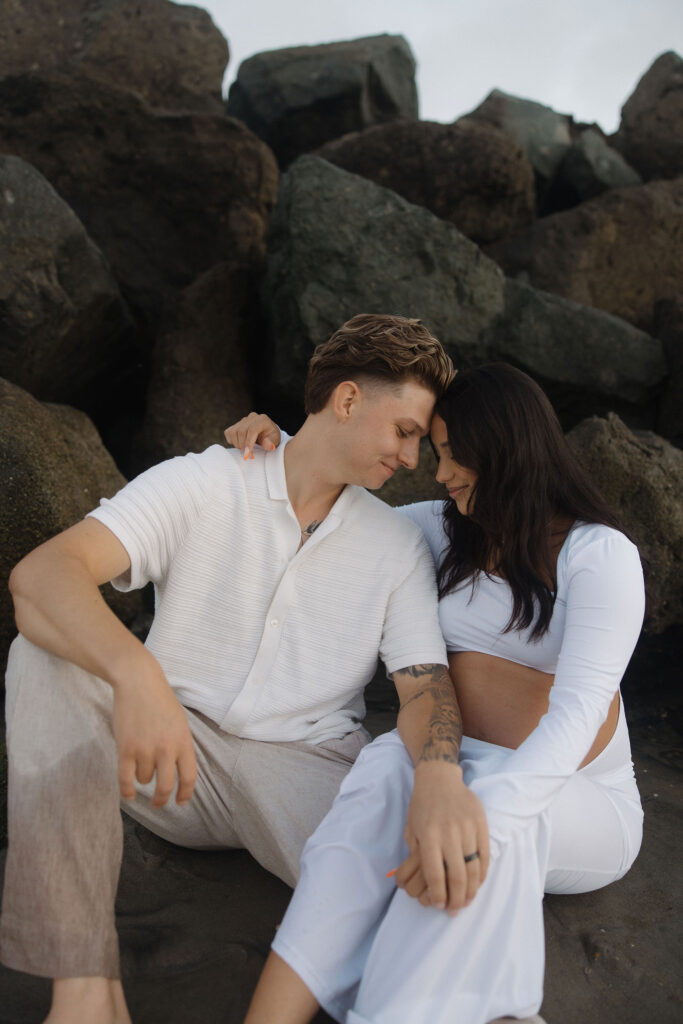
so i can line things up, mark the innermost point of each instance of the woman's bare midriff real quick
(502, 702)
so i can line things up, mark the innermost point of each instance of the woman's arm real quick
(604, 613)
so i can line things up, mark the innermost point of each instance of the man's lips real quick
(390, 469)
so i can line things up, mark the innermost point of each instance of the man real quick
(278, 581)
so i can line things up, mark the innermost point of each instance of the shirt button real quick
(275, 622)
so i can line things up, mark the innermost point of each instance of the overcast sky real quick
(582, 58)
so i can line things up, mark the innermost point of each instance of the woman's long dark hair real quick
(501, 425)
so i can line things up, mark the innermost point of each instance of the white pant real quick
(370, 953)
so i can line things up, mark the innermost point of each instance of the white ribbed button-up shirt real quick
(269, 641)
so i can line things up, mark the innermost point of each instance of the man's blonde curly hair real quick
(377, 348)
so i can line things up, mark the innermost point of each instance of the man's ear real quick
(345, 399)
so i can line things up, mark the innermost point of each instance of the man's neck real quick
(312, 485)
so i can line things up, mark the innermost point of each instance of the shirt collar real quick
(277, 483)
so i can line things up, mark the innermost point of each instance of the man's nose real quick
(410, 453)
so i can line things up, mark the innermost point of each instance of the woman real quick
(541, 604)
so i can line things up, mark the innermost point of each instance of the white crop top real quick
(596, 622)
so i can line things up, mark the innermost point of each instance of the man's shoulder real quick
(383, 522)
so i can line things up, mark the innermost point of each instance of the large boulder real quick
(588, 362)
(669, 328)
(641, 476)
(200, 379)
(468, 173)
(341, 245)
(544, 135)
(621, 252)
(589, 167)
(64, 322)
(650, 135)
(298, 98)
(53, 469)
(171, 55)
(164, 196)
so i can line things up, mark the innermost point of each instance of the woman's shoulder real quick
(593, 544)
(428, 515)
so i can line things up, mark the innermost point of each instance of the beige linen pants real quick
(65, 831)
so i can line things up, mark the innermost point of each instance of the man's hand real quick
(256, 428)
(153, 736)
(446, 822)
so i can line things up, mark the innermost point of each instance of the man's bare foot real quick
(95, 1000)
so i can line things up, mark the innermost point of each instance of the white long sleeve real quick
(605, 604)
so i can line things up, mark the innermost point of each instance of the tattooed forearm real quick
(443, 725)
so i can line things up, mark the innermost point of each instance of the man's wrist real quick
(439, 767)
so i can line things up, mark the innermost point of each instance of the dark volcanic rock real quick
(650, 135)
(544, 135)
(164, 196)
(298, 98)
(53, 469)
(669, 328)
(200, 382)
(468, 173)
(641, 476)
(621, 252)
(341, 245)
(63, 322)
(588, 362)
(589, 167)
(172, 55)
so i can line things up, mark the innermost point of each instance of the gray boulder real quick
(64, 323)
(589, 167)
(200, 381)
(621, 252)
(164, 196)
(588, 362)
(468, 173)
(650, 135)
(340, 245)
(544, 135)
(53, 469)
(641, 476)
(298, 98)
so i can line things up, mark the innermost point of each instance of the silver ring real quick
(472, 856)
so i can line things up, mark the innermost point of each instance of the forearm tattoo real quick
(444, 729)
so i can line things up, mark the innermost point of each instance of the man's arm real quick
(58, 606)
(446, 822)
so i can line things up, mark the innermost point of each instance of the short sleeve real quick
(152, 514)
(605, 603)
(428, 515)
(411, 634)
